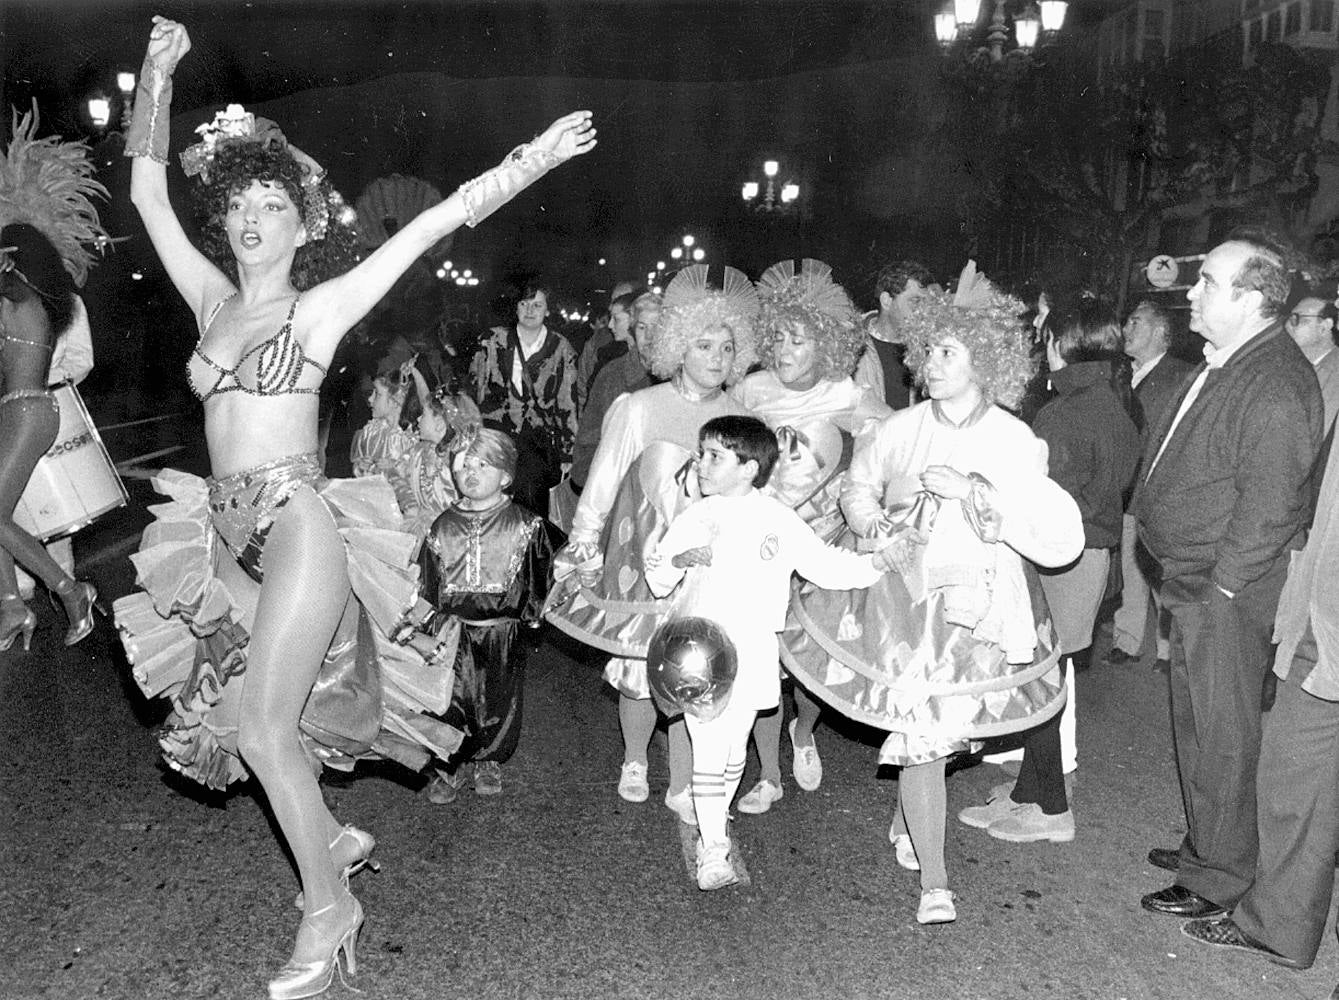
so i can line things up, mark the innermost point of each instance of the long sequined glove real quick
(148, 133)
(488, 192)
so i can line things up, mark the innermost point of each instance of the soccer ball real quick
(690, 667)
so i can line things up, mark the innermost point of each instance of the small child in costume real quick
(381, 443)
(486, 561)
(734, 551)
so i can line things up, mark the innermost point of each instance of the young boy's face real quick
(478, 480)
(719, 470)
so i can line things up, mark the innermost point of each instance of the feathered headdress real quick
(692, 305)
(47, 183)
(985, 320)
(810, 299)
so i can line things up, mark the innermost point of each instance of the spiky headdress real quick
(820, 306)
(985, 320)
(693, 305)
(47, 183)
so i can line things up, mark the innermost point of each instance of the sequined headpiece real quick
(235, 126)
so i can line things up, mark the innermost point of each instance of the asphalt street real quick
(120, 880)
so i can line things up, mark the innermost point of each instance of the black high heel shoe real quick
(80, 600)
(24, 626)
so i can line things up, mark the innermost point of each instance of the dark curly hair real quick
(38, 273)
(235, 166)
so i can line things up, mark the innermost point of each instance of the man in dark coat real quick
(1157, 380)
(1223, 499)
(882, 368)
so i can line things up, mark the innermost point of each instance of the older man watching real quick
(624, 374)
(1311, 326)
(1157, 380)
(1223, 500)
(882, 369)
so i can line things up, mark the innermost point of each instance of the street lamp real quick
(99, 111)
(1031, 25)
(769, 196)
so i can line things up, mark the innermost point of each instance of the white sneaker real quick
(805, 765)
(760, 798)
(714, 870)
(903, 851)
(632, 786)
(682, 805)
(936, 907)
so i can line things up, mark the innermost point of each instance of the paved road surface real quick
(121, 881)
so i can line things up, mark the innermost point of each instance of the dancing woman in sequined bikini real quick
(271, 316)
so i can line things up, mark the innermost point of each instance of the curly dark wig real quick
(39, 272)
(235, 166)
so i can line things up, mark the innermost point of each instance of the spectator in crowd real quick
(1281, 916)
(1223, 501)
(1157, 379)
(882, 369)
(525, 380)
(1311, 326)
(628, 373)
(603, 345)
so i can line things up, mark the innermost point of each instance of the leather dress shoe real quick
(1119, 658)
(1165, 858)
(1178, 901)
(1222, 932)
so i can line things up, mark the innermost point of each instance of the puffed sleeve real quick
(862, 492)
(1037, 519)
(622, 439)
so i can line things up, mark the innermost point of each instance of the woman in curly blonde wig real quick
(639, 479)
(809, 344)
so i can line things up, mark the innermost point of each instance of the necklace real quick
(19, 340)
(693, 395)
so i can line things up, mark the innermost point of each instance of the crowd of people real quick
(910, 517)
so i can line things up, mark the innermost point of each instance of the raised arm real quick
(341, 302)
(195, 277)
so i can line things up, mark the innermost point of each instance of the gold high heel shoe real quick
(366, 845)
(80, 600)
(297, 980)
(26, 625)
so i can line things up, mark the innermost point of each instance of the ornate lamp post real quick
(1031, 24)
(774, 197)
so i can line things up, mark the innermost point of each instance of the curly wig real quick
(993, 332)
(692, 306)
(816, 304)
(235, 166)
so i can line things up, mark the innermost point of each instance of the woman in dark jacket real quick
(1094, 451)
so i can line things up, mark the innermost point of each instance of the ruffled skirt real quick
(894, 664)
(186, 630)
(619, 613)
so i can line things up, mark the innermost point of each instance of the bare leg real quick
(924, 801)
(301, 602)
(767, 738)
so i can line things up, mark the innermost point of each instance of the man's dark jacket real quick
(1160, 388)
(1229, 497)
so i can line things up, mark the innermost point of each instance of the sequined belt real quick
(242, 506)
(30, 394)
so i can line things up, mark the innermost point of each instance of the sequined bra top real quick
(276, 367)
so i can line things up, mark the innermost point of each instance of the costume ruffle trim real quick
(185, 636)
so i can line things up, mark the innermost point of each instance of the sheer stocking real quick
(923, 801)
(637, 718)
(28, 427)
(301, 601)
(767, 738)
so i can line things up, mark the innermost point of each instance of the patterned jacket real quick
(553, 373)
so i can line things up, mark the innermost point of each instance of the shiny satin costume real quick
(490, 570)
(639, 480)
(961, 647)
(186, 634)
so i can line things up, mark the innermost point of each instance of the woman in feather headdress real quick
(639, 479)
(49, 226)
(283, 681)
(810, 342)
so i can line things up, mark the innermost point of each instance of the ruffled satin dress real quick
(640, 478)
(960, 648)
(186, 630)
